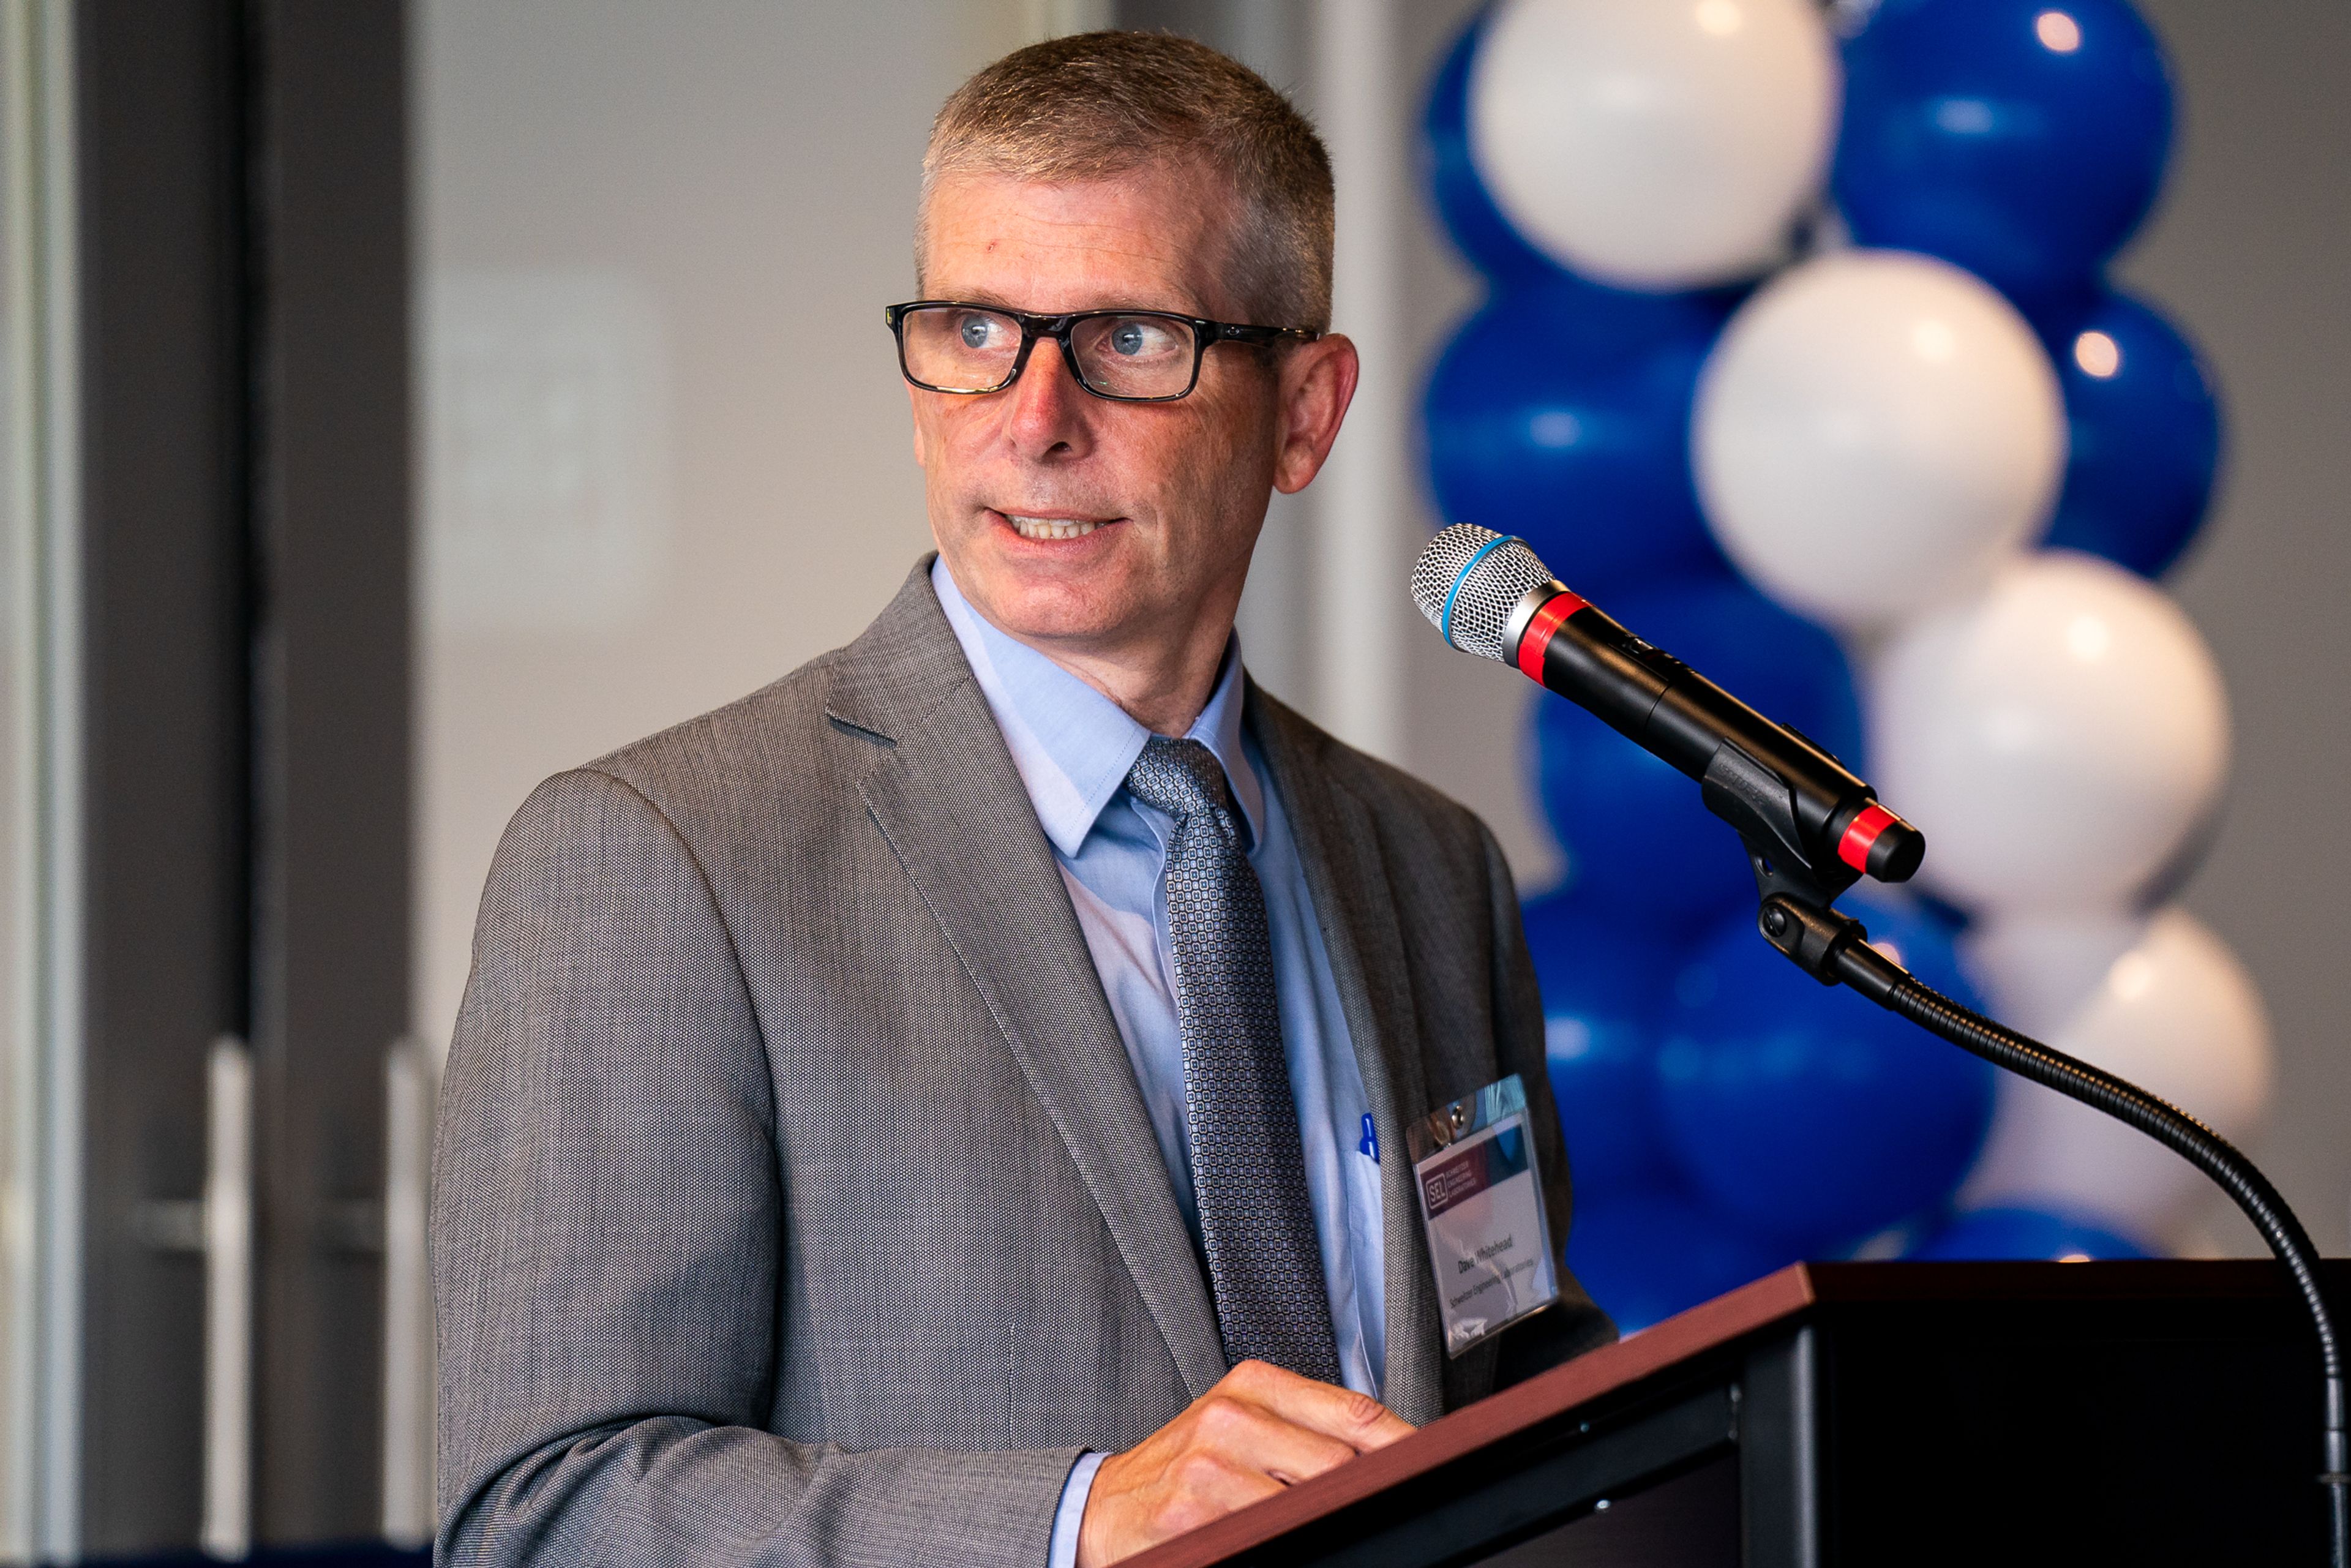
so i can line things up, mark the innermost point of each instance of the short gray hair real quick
(1094, 105)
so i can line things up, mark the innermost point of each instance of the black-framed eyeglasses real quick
(1130, 356)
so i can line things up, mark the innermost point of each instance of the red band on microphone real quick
(1854, 848)
(1538, 635)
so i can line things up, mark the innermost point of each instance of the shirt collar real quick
(1072, 746)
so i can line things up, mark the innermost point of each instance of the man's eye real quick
(1134, 339)
(977, 331)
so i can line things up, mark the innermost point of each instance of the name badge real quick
(1482, 1204)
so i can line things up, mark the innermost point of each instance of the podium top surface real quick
(1794, 1293)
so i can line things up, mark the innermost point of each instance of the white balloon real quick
(1657, 145)
(2057, 737)
(2174, 1013)
(2036, 970)
(1874, 432)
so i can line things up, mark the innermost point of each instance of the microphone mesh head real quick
(1481, 595)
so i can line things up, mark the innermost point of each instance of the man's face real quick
(1085, 526)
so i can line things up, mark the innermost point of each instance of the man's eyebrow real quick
(1189, 309)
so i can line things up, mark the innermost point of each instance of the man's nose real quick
(1048, 413)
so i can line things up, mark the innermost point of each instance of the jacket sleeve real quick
(1576, 1325)
(607, 1210)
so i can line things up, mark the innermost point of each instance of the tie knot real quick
(1182, 777)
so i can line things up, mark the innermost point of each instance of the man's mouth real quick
(1050, 528)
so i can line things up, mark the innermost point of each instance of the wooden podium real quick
(1834, 1414)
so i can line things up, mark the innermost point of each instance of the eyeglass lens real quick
(960, 348)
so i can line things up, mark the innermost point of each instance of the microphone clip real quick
(1760, 806)
(1797, 889)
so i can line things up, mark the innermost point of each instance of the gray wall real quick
(2247, 253)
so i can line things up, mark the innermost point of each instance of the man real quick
(949, 1106)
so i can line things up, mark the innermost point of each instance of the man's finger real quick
(1245, 1432)
(1360, 1421)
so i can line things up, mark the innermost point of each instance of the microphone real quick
(1808, 822)
(1812, 829)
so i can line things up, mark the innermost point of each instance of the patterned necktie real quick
(1249, 1174)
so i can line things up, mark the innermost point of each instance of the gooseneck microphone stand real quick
(1798, 917)
(1812, 829)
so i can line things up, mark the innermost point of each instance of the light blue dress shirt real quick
(1073, 747)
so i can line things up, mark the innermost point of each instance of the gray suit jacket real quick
(794, 1200)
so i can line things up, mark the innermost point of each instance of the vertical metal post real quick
(227, 1527)
(20, 817)
(41, 1186)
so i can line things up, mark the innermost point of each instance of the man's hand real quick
(1258, 1431)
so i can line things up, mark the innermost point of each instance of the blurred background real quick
(404, 401)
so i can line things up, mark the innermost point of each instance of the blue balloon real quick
(2022, 139)
(2024, 1233)
(1567, 423)
(1645, 1256)
(1808, 1111)
(1638, 837)
(1603, 986)
(2144, 428)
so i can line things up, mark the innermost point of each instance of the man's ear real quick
(914, 417)
(1318, 382)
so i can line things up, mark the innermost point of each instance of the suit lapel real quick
(1355, 906)
(952, 807)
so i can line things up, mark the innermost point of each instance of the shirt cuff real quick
(1072, 1510)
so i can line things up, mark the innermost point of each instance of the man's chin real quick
(1074, 588)
(1060, 614)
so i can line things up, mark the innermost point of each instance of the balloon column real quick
(1797, 355)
